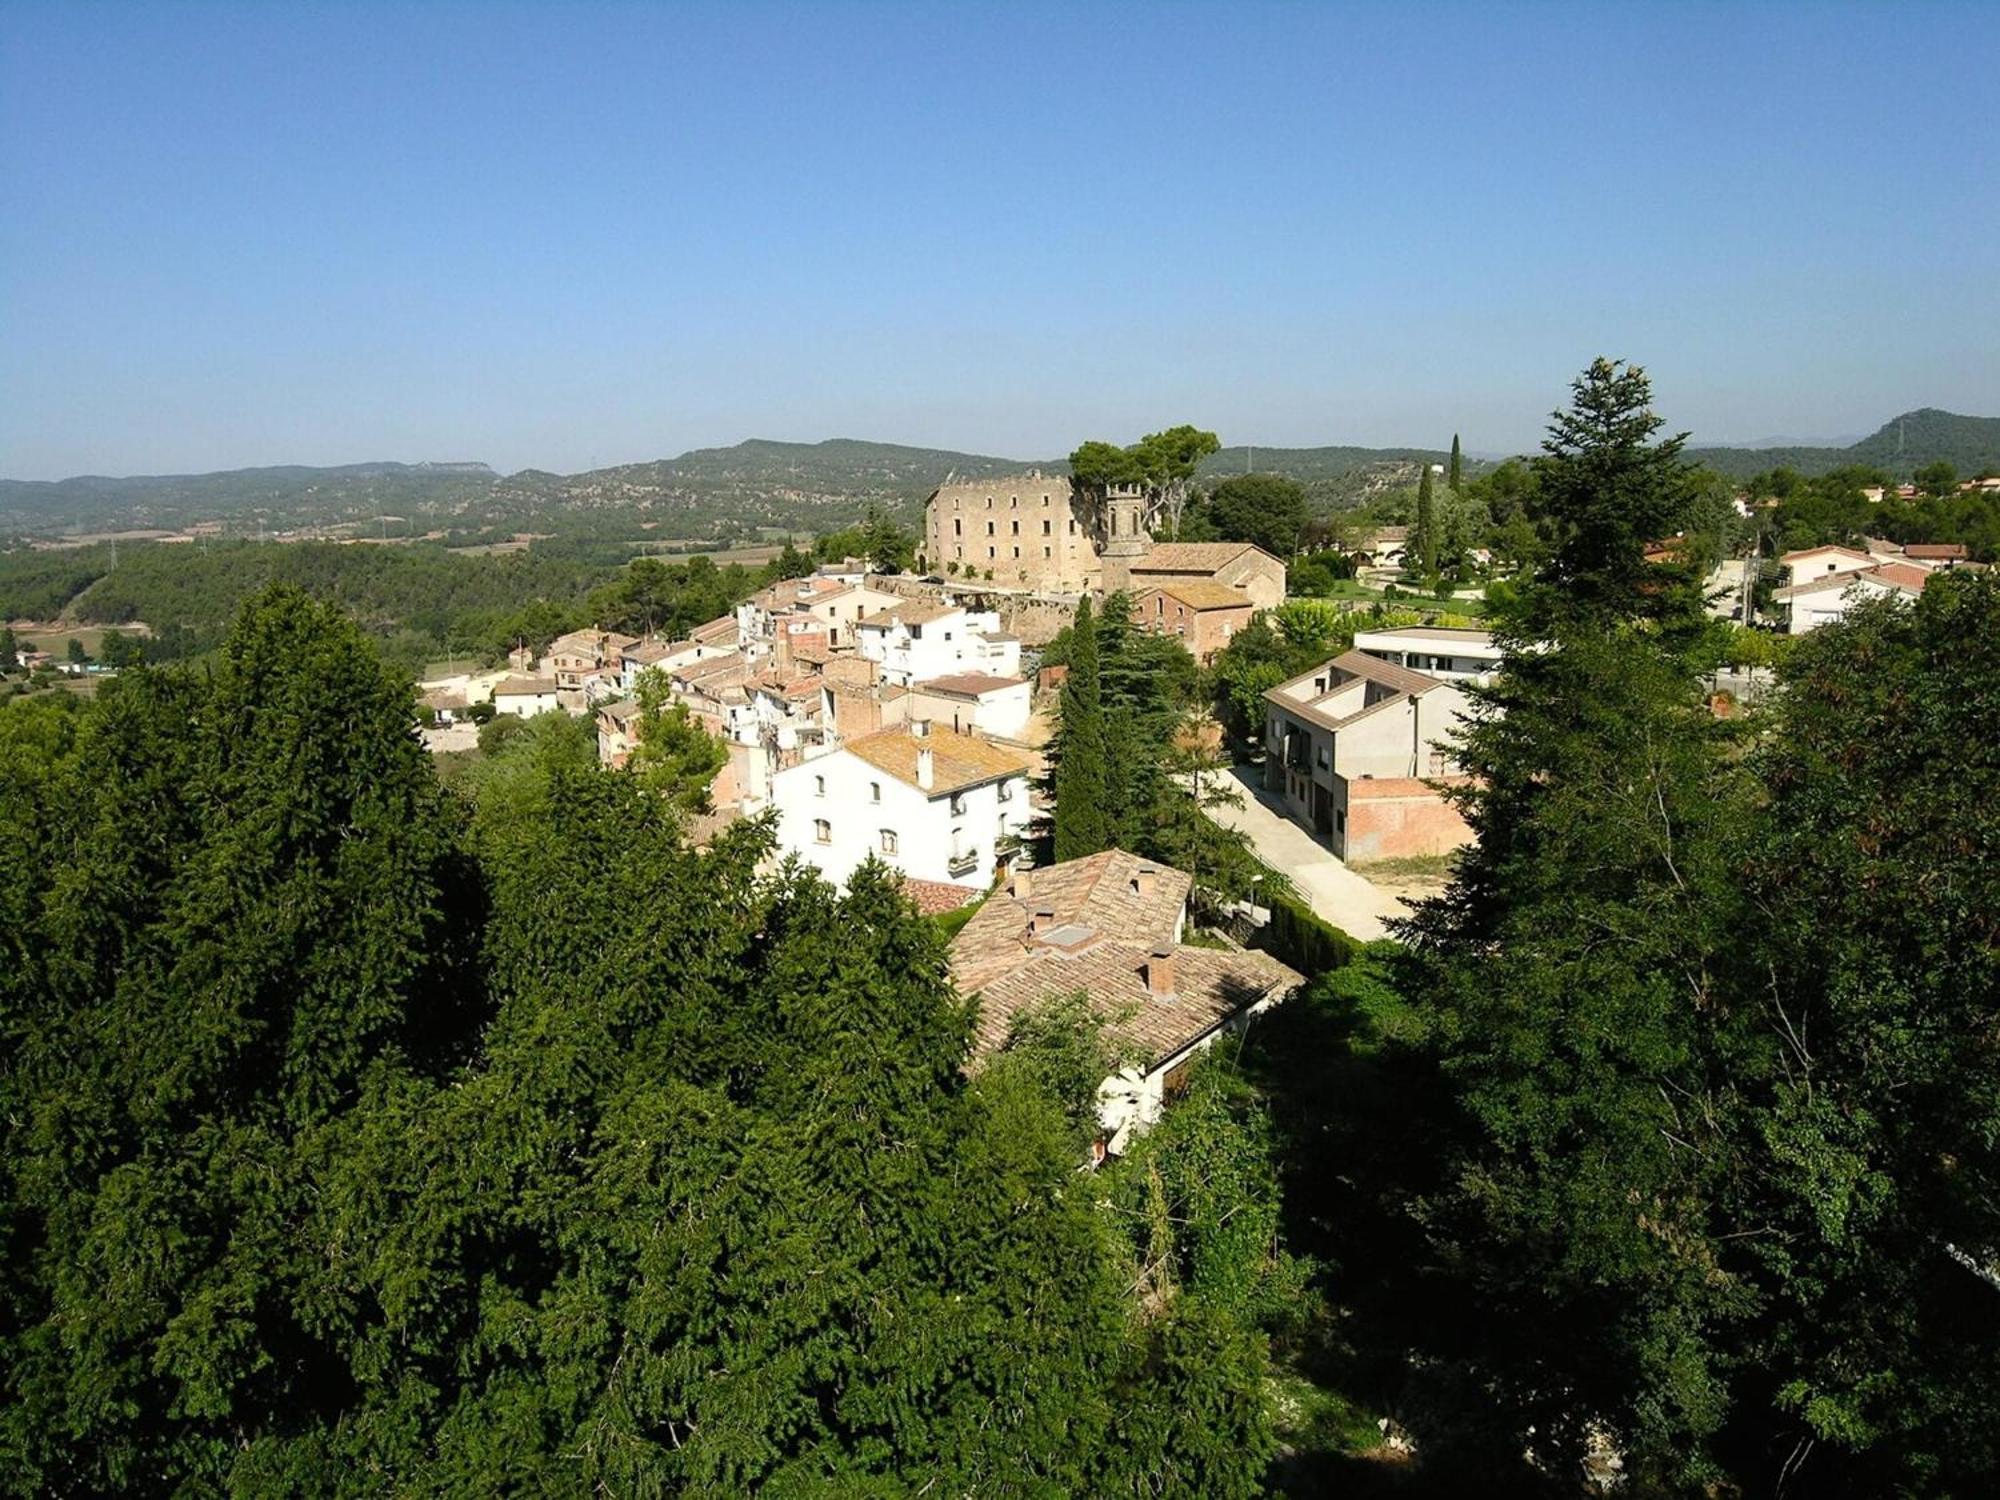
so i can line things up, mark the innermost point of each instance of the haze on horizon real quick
(567, 237)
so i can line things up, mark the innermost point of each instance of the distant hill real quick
(1900, 446)
(702, 495)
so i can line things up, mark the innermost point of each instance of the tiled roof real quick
(968, 684)
(521, 687)
(715, 632)
(1203, 593)
(617, 642)
(1211, 985)
(908, 614)
(1192, 557)
(936, 897)
(1902, 575)
(957, 760)
(1102, 892)
(648, 652)
(623, 711)
(1936, 551)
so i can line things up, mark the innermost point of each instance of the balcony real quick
(964, 863)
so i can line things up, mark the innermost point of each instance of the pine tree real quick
(1427, 528)
(1457, 477)
(1081, 782)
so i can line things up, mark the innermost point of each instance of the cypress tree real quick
(1457, 466)
(1082, 818)
(1427, 527)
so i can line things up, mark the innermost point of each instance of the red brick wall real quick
(1399, 819)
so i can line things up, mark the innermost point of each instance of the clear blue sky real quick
(564, 235)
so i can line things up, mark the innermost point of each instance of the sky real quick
(571, 235)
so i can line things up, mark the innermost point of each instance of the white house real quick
(914, 642)
(524, 697)
(1822, 600)
(1811, 564)
(930, 801)
(1435, 650)
(975, 702)
(1110, 926)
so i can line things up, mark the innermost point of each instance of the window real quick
(958, 804)
(1017, 551)
(989, 502)
(819, 786)
(957, 527)
(1045, 526)
(1015, 503)
(1006, 792)
(989, 554)
(874, 791)
(1017, 528)
(822, 831)
(1159, 605)
(1046, 554)
(888, 841)
(1072, 525)
(989, 528)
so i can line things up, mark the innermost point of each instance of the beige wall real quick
(1203, 631)
(1025, 528)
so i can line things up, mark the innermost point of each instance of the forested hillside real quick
(1900, 447)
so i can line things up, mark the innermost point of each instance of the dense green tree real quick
(120, 649)
(675, 757)
(1267, 509)
(1162, 464)
(9, 649)
(1606, 490)
(1082, 782)
(1938, 480)
(74, 653)
(1426, 544)
(1457, 474)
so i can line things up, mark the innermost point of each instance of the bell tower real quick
(1125, 537)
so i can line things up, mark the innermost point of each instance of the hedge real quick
(1296, 935)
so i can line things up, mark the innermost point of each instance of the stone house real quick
(1242, 566)
(1201, 615)
(1111, 926)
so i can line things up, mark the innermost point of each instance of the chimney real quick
(926, 767)
(920, 729)
(1043, 919)
(1160, 973)
(1144, 881)
(1024, 884)
(782, 655)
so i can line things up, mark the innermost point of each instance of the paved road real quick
(1355, 905)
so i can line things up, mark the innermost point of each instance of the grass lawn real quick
(56, 640)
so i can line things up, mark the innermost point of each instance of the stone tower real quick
(1125, 538)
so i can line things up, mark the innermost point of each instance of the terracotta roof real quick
(936, 897)
(1102, 892)
(715, 631)
(968, 684)
(521, 687)
(1936, 551)
(623, 711)
(1902, 575)
(1192, 557)
(648, 652)
(908, 614)
(1203, 593)
(1211, 985)
(958, 760)
(713, 667)
(619, 642)
(1341, 673)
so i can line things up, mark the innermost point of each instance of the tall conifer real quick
(1427, 526)
(1082, 819)
(1457, 466)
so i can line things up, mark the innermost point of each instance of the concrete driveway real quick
(1355, 905)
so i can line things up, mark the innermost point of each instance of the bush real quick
(481, 713)
(1301, 939)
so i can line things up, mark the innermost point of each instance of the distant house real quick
(975, 702)
(1384, 547)
(1201, 615)
(1242, 566)
(617, 732)
(1439, 651)
(1351, 748)
(934, 803)
(916, 641)
(524, 697)
(1110, 926)
(1813, 563)
(1827, 598)
(1937, 554)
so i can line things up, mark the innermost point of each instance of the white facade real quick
(1436, 651)
(975, 703)
(913, 643)
(836, 810)
(1809, 607)
(524, 701)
